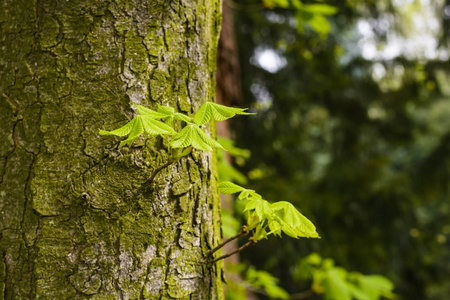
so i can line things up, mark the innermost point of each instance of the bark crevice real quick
(80, 219)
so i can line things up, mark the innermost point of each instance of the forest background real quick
(352, 127)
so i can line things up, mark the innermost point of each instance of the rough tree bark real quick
(78, 218)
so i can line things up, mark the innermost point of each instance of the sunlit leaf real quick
(262, 279)
(122, 131)
(169, 121)
(198, 142)
(171, 115)
(203, 115)
(182, 117)
(166, 110)
(335, 285)
(217, 112)
(144, 111)
(275, 227)
(155, 127)
(244, 194)
(135, 132)
(228, 188)
(294, 221)
(204, 137)
(375, 286)
(194, 136)
(183, 138)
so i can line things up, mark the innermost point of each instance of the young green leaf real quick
(293, 222)
(166, 110)
(138, 125)
(199, 143)
(182, 117)
(228, 188)
(169, 121)
(335, 285)
(203, 115)
(263, 210)
(375, 286)
(144, 111)
(178, 153)
(192, 135)
(201, 135)
(154, 127)
(244, 195)
(275, 227)
(129, 141)
(183, 138)
(172, 115)
(135, 132)
(262, 279)
(258, 209)
(252, 204)
(259, 234)
(217, 112)
(122, 131)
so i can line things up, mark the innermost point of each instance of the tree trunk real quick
(78, 217)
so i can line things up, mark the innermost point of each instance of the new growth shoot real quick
(263, 218)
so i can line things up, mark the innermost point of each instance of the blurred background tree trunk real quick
(229, 92)
(78, 217)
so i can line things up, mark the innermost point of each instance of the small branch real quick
(234, 252)
(240, 233)
(158, 169)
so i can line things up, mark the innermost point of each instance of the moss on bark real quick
(78, 218)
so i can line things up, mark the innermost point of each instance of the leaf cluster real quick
(257, 281)
(264, 218)
(336, 283)
(144, 122)
(191, 135)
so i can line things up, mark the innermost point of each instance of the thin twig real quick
(158, 169)
(240, 233)
(234, 252)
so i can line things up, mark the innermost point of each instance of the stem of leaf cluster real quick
(240, 233)
(234, 252)
(273, 230)
(158, 169)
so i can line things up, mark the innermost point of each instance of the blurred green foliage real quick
(313, 15)
(265, 218)
(262, 279)
(360, 145)
(227, 171)
(334, 282)
(254, 281)
(338, 284)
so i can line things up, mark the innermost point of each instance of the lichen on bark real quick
(79, 219)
